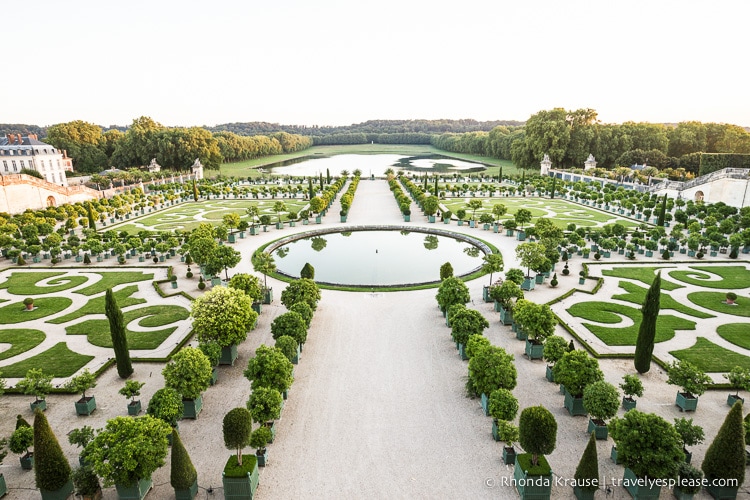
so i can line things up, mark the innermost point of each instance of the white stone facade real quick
(17, 153)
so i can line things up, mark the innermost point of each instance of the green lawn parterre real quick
(710, 357)
(20, 340)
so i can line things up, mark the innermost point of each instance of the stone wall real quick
(19, 192)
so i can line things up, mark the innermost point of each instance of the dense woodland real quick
(568, 137)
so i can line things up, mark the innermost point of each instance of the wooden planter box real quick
(528, 284)
(532, 487)
(639, 491)
(486, 294)
(583, 494)
(686, 402)
(506, 317)
(628, 403)
(613, 454)
(257, 307)
(495, 430)
(722, 492)
(262, 457)
(731, 399)
(39, 403)
(60, 494)
(509, 455)
(574, 405)
(484, 401)
(188, 494)
(520, 334)
(268, 295)
(228, 355)
(27, 461)
(600, 431)
(135, 491)
(134, 408)
(214, 375)
(241, 488)
(681, 495)
(193, 407)
(462, 352)
(539, 279)
(550, 375)
(3, 486)
(534, 349)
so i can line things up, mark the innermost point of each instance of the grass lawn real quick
(21, 340)
(96, 305)
(25, 283)
(732, 277)
(637, 295)
(45, 306)
(666, 325)
(736, 333)
(58, 361)
(97, 330)
(645, 275)
(112, 279)
(710, 357)
(715, 301)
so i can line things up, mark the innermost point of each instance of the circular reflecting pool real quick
(369, 257)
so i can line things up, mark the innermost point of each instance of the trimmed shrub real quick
(537, 432)
(182, 473)
(587, 473)
(725, 457)
(51, 469)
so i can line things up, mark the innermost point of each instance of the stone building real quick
(18, 153)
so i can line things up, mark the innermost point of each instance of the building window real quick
(15, 169)
(22, 164)
(58, 163)
(5, 164)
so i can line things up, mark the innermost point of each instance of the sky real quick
(338, 62)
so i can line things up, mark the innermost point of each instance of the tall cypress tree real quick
(587, 472)
(725, 457)
(662, 212)
(119, 339)
(195, 191)
(182, 474)
(328, 176)
(554, 186)
(310, 188)
(90, 213)
(51, 468)
(644, 346)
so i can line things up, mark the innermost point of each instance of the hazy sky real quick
(331, 62)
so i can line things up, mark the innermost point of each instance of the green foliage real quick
(508, 293)
(507, 432)
(739, 378)
(21, 439)
(601, 400)
(51, 468)
(515, 275)
(119, 338)
(166, 405)
(492, 263)
(264, 263)
(261, 437)
(189, 372)
(644, 346)
(212, 350)
(690, 434)
(82, 382)
(269, 368)
(182, 472)
(576, 370)
(308, 271)
(223, 315)
(35, 383)
(237, 427)
(476, 343)
(537, 432)
(467, 322)
(725, 457)
(290, 324)
(128, 449)
(502, 405)
(265, 404)
(491, 368)
(690, 478)
(631, 385)
(530, 255)
(587, 473)
(248, 284)
(301, 290)
(288, 346)
(81, 437)
(538, 321)
(304, 310)
(446, 271)
(647, 444)
(554, 349)
(222, 257)
(85, 481)
(688, 377)
(452, 290)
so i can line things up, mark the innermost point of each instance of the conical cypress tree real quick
(725, 458)
(328, 176)
(51, 469)
(554, 186)
(310, 191)
(90, 213)
(119, 339)
(182, 475)
(308, 271)
(662, 212)
(195, 191)
(587, 472)
(644, 345)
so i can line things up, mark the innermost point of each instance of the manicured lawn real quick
(645, 275)
(710, 357)
(715, 301)
(736, 333)
(25, 283)
(21, 340)
(666, 325)
(58, 361)
(96, 305)
(637, 295)
(16, 312)
(112, 279)
(732, 277)
(97, 330)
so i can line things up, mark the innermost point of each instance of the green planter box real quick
(550, 375)
(257, 307)
(534, 349)
(499, 308)
(574, 405)
(484, 400)
(39, 403)
(722, 492)
(528, 284)
(686, 402)
(136, 491)
(3, 486)
(731, 399)
(407, 218)
(241, 488)
(613, 455)
(193, 407)
(342, 218)
(600, 431)
(318, 219)
(495, 430)
(188, 494)
(508, 232)
(506, 317)
(509, 455)
(60, 494)
(85, 406)
(214, 375)
(228, 355)
(27, 461)
(628, 403)
(232, 238)
(462, 352)
(268, 295)
(581, 281)
(521, 235)
(279, 225)
(539, 279)
(174, 284)
(638, 490)
(532, 487)
(486, 294)
(215, 281)
(520, 334)
(681, 495)
(134, 408)
(262, 458)
(583, 494)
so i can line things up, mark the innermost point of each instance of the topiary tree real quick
(576, 370)
(212, 350)
(265, 404)
(289, 324)
(248, 284)
(81, 383)
(182, 473)
(51, 468)
(739, 378)
(690, 434)
(288, 346)
(492, 263)
(264, 263)
(476, 343)
(489, 369)
(304, 310)
(36, 384)
(587, 473)
(301, 290)
(601, 401)
(223, 315)
(537, 320)
(644, 344)
(507, 294)
(307, 272)
(467, 322)
(166, 405)
(554, 349)
(188, 373)
(515, 275)
(725, 457)
(689, 377)
(269, 368)
(260, 438)
(502, 405)
(237, 427)
(537, 432)
(647, 444)
(446, 271)
(452, 290)
(631, 386)
(118, 334)
(530, 255)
